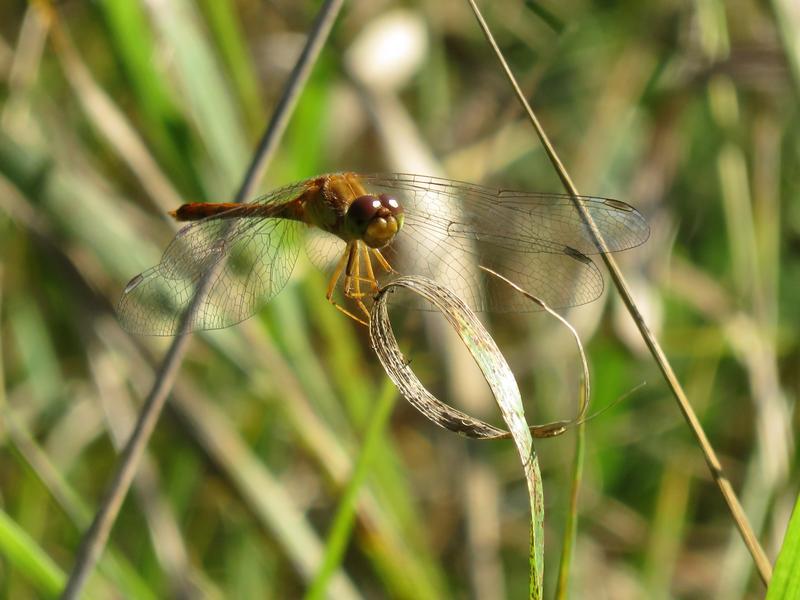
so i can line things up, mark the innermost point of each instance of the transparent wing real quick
(246, 261)
(538, 240)
(323, 249)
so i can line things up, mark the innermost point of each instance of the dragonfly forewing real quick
(539, 240)
(248, 261)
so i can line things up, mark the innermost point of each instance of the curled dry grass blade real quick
(715, 466)
(478, 341)
(497, 374)
(95, 538)
(557, 427)
(571, 525)
(454, 420)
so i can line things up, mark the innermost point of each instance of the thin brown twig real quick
(740, 518)
(96, 536)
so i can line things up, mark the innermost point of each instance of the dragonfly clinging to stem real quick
(364, 228)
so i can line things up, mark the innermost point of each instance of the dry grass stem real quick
(748, 535)
(95, 538)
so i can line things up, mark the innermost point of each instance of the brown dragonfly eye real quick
(390, 202)
(374, 219)
(363, 209)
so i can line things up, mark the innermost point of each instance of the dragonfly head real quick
(374, 219)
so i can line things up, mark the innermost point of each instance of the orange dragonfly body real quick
(408, 224)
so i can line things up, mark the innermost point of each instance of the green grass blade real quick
(25, 555)
(785, 584)
(547, 16)
(498, 376)
(222, 19)
(206, 93)
(165, 127)
(345, 515)
(571, 526)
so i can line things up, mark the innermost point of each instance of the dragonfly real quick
(365, 229)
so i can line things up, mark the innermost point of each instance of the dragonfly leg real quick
(337, 273)
(362, 279)
(370, 272)
(353, 279)
(349, 314)
(351, 270)
(357, 273)
(382, 261)
(344, 262)
(360, 303)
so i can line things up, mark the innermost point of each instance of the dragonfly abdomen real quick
(195, 211)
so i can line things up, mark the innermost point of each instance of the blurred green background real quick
(115, 111)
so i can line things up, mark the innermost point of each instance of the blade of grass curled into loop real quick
(497, 374)
(714, 465)
(557, 427)
(571, 525)
(454, 420)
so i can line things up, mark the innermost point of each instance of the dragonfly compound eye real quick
(375, 219)
(394, 206)
(363, 210)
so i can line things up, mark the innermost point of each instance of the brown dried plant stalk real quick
(745, 529)
(96, 536)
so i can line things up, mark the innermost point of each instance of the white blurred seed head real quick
(388, 51)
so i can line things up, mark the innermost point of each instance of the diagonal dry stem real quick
(96, 536)
(748, 535)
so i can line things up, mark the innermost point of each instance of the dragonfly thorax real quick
(375, 220)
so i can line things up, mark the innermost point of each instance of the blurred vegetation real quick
(116, 111)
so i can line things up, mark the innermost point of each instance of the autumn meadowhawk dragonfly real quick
(365, 228)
